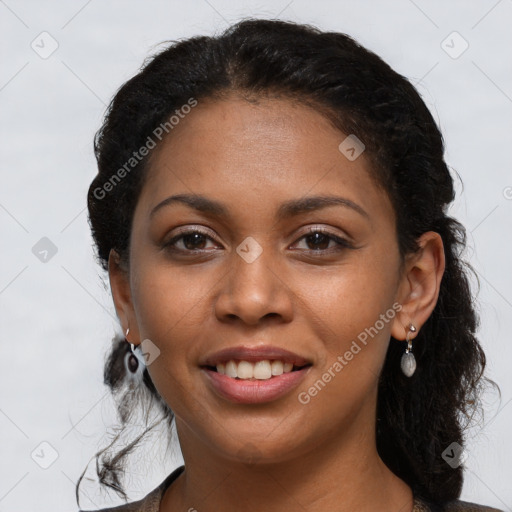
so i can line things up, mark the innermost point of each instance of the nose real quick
(254, 292)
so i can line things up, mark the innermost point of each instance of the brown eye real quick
(192, 240)
(318, 240)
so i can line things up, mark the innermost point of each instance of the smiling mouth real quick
(251, 371)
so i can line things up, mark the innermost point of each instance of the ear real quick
(121, 293)
(420, 284)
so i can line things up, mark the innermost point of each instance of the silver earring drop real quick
(408, 362)
(131, 360)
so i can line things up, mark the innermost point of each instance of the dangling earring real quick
(131, 361)
(408, 362)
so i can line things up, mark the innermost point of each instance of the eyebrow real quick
(286, 210)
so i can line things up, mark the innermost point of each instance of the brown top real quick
(151, 502)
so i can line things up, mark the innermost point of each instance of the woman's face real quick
(259, 276)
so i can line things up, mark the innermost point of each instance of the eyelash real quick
(342, 243)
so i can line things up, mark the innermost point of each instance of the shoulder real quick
(150, 502)
(421, 505)
(466, 506)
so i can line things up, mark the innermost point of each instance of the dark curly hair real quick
(417, 417)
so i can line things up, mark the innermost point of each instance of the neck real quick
(339, 474)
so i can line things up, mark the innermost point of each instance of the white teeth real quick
(231, 369)
(245, 370)
(277, 368)
(261, 370)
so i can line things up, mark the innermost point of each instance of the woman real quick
(271, 210)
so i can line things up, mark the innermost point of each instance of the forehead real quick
(258, 153)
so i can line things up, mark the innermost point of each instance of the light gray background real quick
(57, 318)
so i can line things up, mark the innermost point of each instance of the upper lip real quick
(246, 353)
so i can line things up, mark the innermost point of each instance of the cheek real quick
(347, 300)
(351, 311)
(166, 298)
(170, 310)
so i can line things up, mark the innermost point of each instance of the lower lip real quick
(242, 391)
